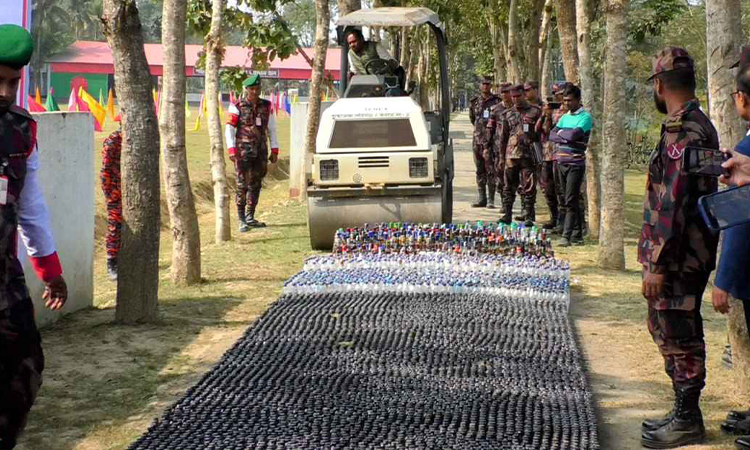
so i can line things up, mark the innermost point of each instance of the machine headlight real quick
(418, 168)
(329, 170)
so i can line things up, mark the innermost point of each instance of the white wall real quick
(67, 174)
(297, 131)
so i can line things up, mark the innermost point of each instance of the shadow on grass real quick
(126, 367)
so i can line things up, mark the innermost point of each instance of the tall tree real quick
(514, 72)
(534, 40)
(323, 18)
(611, 243)
(724, 36)
(186, 239)
(586, 73)
(138, 265)
(347, 6)
(214, 54)
(544, 45)
(566, 27)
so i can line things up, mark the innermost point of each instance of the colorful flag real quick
(35, 106)
(287, 105)
(81, 106)
(38, 96)
(97, 110)
(201, 110)
(101, 97)
(73, 101)
(111, 104)
(51, 105)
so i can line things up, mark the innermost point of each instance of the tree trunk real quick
(593, 188)
(347, 6)
(724, 36)
(512, 50)
(498, 52)
(214, 54)
(186, 238)
(405, 56)
(738, 338)
(544, 41)
(566, 27)
(138, 261)
(323, 17)
(611, 245)
(534, 42)
(546, 82)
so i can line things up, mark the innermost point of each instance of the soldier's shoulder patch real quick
(675, 150)
(673, 126)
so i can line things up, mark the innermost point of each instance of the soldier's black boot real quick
(657, 422)
(530, 214)
(521, 217)
(737, 427)
(112, 268)
(743, 443)
(241, 215)
(507, 216)
(251, 221)
(490, 196)
(737, 416)
(250, 218)
(685, 428)
(552, 224)
(482, 198)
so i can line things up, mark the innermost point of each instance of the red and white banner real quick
(18, 12)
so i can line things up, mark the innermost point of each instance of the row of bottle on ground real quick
(468, 238)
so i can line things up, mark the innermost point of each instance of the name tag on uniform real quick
(3, 190)
(258, 122)
(486, 114)
(526, 128)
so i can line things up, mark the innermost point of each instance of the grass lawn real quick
(105, 383)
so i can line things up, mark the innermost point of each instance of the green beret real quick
(16, 46)
(252, 80)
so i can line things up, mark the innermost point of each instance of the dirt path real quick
(625, 368)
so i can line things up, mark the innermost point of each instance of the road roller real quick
(381, 156)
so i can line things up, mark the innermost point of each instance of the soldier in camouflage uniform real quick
(496, 120)
(251, 124)
(479, 114)
(547, 176)
(22, 209)
(677, 250)
(111, 185)
(517, 136)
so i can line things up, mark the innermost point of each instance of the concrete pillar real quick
(298, 161)
(67, 175)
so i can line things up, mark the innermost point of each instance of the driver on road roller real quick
(363, 53)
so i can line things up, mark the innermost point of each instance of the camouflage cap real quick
(505, 87)
(672, 58)
(529, 85)
(559, 87)
(16, 46)
(744, 60)
(517, 88)
(487, 80)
